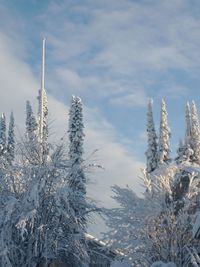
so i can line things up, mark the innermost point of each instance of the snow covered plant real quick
(162, 264)
(163, 226)
(126, 223)
(43, 204)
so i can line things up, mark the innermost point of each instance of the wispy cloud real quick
(137, 98)
(18, 84)
(111, 53)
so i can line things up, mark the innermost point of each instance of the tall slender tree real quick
(76, 176)
(188, 123)
(3, 139)
(11, 140)
(151, 153)
(195, 134)
(32, 145)
(185, 152)
(164, 137)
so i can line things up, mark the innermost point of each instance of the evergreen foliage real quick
(32, 145)
(11, 140)
(164, 137)
(195, 134)
(3, 138)
(76, 176)
(188, 124)
(151, 153)
(43, 204)
(163, 228)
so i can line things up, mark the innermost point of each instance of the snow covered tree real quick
(151, 153)
(180, 152)
(195, 134)
(176, 197)
(11, 140)
(126, 223)
(32, 145)
(31, 124)
(185, 151)
(3, 139)
(76, 176)
(188, 124)
(164, 137)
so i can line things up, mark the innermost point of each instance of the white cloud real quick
(136, 98)
(19, 84)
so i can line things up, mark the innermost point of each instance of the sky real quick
(115, 55)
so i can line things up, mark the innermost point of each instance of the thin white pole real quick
(41, 111)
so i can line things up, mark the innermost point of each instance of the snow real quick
(164, 137)
(120, 264)
(162, 264)
(151, 153)
(196, 226)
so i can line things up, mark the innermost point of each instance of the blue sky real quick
(114, 55)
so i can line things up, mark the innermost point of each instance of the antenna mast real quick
(42, 90)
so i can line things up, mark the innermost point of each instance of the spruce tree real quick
(76, 176)
(31, 124)
(188, 124)
(3, 139)
(195, 134)
(32, 150)
(181, 152)
(185, 152)
(11, 140)
(164, 137)
(151, 153)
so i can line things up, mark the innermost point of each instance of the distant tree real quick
(11, 140)
(3, 139)
(32, 145)
(151, 153)
(185, 151)
(195, 134)
(164, 137)
(180, 152)
(188, 124)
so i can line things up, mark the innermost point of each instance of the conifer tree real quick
(76, 176)
(181, 153)
(3, 139)
(185, 152)
(11, 140)
(31, 135)
(151, 153)
(164, 137)
(31, 124)
(188, 124)
(195, 134)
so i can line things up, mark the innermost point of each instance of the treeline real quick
(162, 228)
